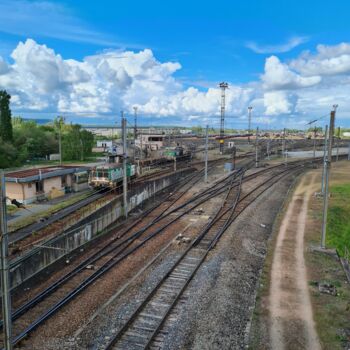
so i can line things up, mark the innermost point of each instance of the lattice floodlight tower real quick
(223, 87)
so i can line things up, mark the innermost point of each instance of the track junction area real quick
(152, 281)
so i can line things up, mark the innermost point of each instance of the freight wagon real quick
(110, 175)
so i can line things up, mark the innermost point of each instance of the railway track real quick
(103, 256)
(141, 330)
(110, 255)
(20, 234)
(17, 235)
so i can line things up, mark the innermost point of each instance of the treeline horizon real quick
(23, 141)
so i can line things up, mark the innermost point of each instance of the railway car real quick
(153, 162)
(110, 175)
(173, 152)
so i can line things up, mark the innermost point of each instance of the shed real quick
(30, 185)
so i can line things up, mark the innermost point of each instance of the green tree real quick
(8, 155)
(77, 143)
(33, 140)
(87, 141)
(5, 117)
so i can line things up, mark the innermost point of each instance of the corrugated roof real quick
(34, 174)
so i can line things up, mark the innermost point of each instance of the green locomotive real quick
(110, 175)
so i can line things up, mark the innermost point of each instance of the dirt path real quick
(291, 317)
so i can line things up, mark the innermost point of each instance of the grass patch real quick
(331, 313)
(11, 209)
(54, 209)
(338, 235)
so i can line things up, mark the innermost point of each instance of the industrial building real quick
(152, 142)
(32, 185)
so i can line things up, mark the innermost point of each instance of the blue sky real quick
(209, 41)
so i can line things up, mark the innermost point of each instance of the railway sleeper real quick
(126, 345)
(160, 304)
(134, 334)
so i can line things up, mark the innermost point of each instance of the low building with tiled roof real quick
(35, 184)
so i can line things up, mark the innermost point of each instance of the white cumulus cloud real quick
(279, 102)
(279, 76)
(40, 79)
(329, 60)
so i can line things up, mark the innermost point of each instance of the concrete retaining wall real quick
(86, 230)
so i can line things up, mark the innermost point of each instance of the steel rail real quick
(210, 192)
(113, 226)
(54, 287)
(28, 305)
(106, 267)
(213, 242)
(88, 281)
(98, 255)
(205, 230)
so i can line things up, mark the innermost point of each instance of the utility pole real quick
(284, 143)
(285, 149)
(206, 155)
(223, 87)
(141, 150)
(268, 148)
(256, 148)
(135, 130)
(326, 177)
(249, 121)
(324, 158)
(60, 121)
(125, 155)
(338, 137)
(5, 282)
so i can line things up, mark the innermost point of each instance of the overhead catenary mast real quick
(135, 130)
(257, 148)
(249, 121)
(206, 155)
(125, 156)
(326, 175)
(223, 87)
